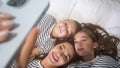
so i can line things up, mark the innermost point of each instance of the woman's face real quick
(84, 46)
(64, 29)
(61, 54)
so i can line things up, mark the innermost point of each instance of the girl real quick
(61, 54)
(95, 48)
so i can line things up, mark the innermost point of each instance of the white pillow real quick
(60, 9)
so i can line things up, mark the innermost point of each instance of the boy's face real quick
(61, 54)
(64, 29)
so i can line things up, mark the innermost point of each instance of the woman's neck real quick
(88, 58)
(45, 63)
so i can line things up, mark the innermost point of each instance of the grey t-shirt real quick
(98, 62)
(44, 42)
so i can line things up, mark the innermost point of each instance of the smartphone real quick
(26, 14)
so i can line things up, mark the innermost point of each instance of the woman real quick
(58, 56)
(61, 54)
(95, 48)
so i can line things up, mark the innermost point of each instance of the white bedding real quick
(103, 12)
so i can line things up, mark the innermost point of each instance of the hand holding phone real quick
(26, 14)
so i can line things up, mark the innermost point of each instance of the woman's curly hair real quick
(107, 44)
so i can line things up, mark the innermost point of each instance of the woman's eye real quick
(60, 47)
(67, 27)
(75, 41)
(65, 23)
(66, 57)
(84, 40)
(67, 31)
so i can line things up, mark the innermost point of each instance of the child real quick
(95, 48)
(51, 31)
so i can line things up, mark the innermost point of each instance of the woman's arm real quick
(27, 48)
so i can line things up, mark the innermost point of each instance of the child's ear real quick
(95, 45)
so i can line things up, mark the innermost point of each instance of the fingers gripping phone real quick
(26, 14)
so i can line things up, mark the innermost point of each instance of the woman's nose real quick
(64, 29)
(61, 53)
(78, 43)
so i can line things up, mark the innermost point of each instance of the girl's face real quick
(64, 29)
(84, 46)
(61, 54)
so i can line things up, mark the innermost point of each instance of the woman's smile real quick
(80, 49)
(54, 57)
